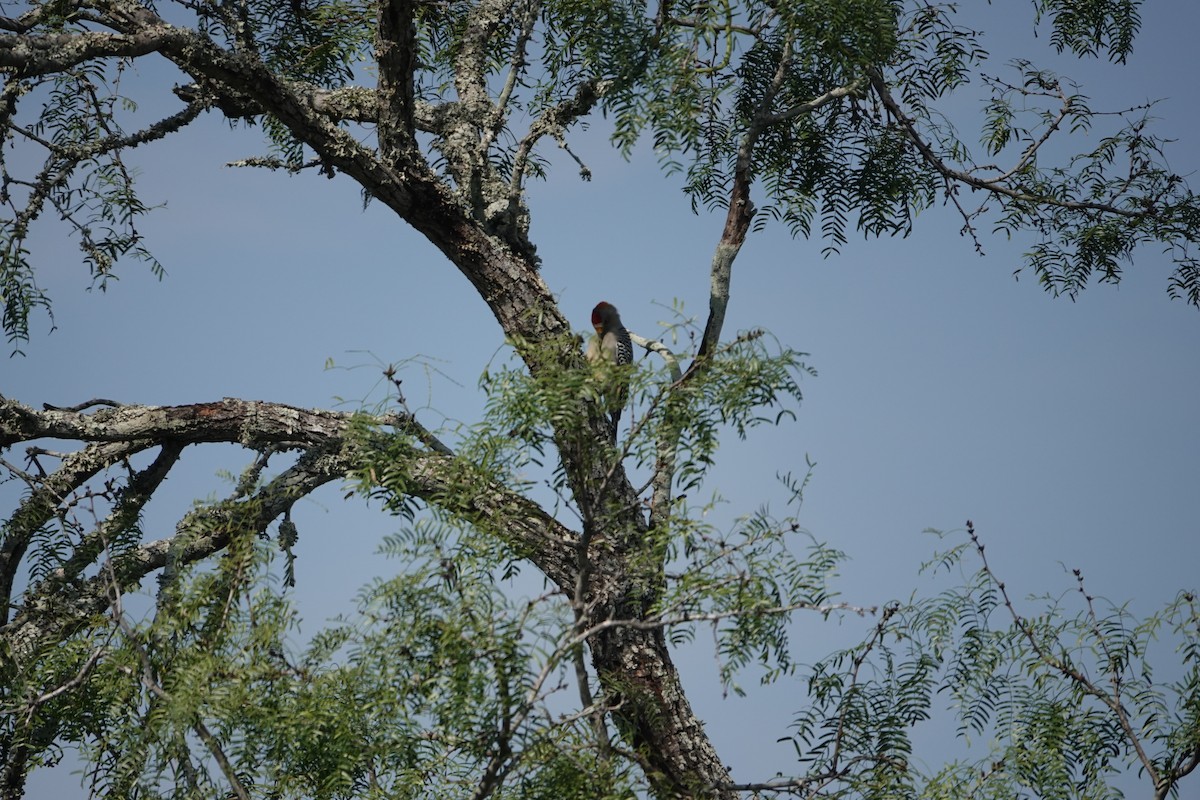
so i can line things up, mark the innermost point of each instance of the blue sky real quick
(947, 390)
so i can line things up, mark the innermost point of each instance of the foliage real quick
(542, 559)
(1067, 700)
(829, 109)
(444, 674)
(409, 699)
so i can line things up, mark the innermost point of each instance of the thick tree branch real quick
(503, 271)
(740, 211)
(44, 54)
(251, 423)
(26, 22)
(397, 52)
(117, 433)
(520, 522)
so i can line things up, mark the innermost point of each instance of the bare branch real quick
(98, 401)
(553, 122)
(665, 457)
(137, 493)
(1066, 109)
(73, 683)
(53, 608)
(579, 607)
(516, 69)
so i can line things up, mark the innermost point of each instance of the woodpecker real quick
(611, 345)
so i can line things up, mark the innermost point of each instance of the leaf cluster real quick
(1066, 700)
(82, 178)
(829, 110)
(1092, 28)
(749, 382)
(438, 675)
(748, 582)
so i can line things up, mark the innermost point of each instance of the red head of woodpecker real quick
(611, 345)
(612, 340)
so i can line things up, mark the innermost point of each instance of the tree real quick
(824, 116)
